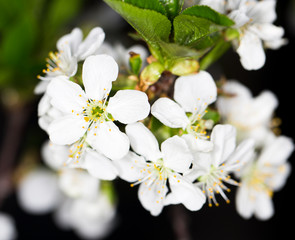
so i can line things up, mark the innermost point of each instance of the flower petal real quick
(143, 141)
(169, 113)
(224, 140)
(67, 129)
(176, 154)
(91, 43)
(186, 193)
(195, 90)
(71, 40)
(251, 51)
(130, 167)
(197, 145)
(264, 208)
(244, 204)
(128, 106)
(98, 73)
(99, 166)
(150, 199)
(66, 95)
(109, 140)
(277, 152)
(77, 183)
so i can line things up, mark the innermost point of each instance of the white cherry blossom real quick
(212, 169)
(250, 115)
(152, 169)
(88, 115)
(266, 173)
(192, 94)
(254, 21)
(71, 50)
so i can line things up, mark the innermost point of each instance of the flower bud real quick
(184, 67)
(135, 63)
(151, 73)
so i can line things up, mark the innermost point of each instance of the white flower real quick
(250, 115)
(212, 169)
(254, 20)
(71, 49)
(7, 226)
(77, 183)
(265, 174)
(61, 156)
(88, 115)
(90, 219)
(153, 169)
(192, 93)
(38, 192)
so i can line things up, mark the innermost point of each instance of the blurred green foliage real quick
(28, 31)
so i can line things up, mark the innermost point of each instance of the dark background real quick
(221, 222)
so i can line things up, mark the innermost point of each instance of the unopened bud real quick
(151, 73)
(231, 34)
(135, 63)
(184, 67)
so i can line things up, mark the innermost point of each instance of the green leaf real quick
(173, 7)
(176, 51)
(148, 4)
(151, 25)
(209, 14)
(188, 30)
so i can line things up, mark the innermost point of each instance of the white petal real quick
(41, 87)
(239, 17)
(150, 199)
(54, 155)
(8, 229)
(251, 51)
(262, 11)
(169, 113)
(195, 90)
(197, 145)
(98, 73)
(244, 203)
(243, 153)
(224, 140)
(38, 192)
(66, 95)
(71, 40)
(130, 167)
(129, 106)
(186, 193)
(176, 154)
(77, 183)
(267, 32)
(143, 141)
(264, 208)
(99, 166)
(109, 140)
(91, 43)
(44, 105)
(277, 152)
(67, 129)
(279, 178)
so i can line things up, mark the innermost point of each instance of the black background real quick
(221, 222)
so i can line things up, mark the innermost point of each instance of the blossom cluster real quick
(99, 132)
